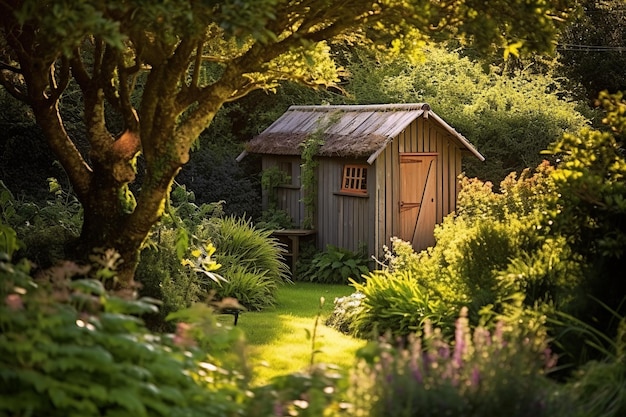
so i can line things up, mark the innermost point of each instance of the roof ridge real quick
(362, 107)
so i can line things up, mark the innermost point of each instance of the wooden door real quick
(418, 199)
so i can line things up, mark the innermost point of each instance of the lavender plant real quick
(490, 371)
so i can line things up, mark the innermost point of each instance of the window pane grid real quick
(354, 179)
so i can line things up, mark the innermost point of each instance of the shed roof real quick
(348, 130)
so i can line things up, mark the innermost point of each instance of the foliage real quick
(162, 276)
(252, 289)
(308, 251)
(241, 244)
(336, 265)
(345, 311)
(589, 211)
(214, 174)
(270, 179)
(494, 247)
(591, 179)
(308, 175)
(510, 118)
(274, 219)
(162, 71)
(44, 228)
(69, 348)
(396, 304)
(481, 373)
(307, 394)
(202, 239)
(590, 48)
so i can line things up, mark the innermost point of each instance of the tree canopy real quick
(152, 75)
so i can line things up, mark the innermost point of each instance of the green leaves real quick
(395, 303)
(336, 265)
(62, 358)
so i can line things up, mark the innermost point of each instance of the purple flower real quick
(415, 369)
(475, 377)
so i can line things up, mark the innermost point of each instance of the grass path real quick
(277, 338)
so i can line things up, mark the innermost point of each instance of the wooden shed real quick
(383, 171)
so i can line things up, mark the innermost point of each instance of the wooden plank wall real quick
(343, 220)
(288, 197)
(421, 136)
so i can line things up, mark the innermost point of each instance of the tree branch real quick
(12, 87)
(131, 120)
(195, 78)
(78, 70)
(57, 87)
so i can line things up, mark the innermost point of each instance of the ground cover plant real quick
(335, 265)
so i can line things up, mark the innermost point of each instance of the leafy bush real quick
(396, 304)
(67, 348)
(240, 243)
(274, 219)
(251, 261)
(163, 277)
(336, 266)
(493, 247)
(47, 228)
(510, 118)
(485, 372)
(252, 289)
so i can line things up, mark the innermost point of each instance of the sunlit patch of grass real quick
(279, 339)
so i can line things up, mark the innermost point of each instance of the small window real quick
(354, 179)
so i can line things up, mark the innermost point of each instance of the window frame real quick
(354, 179)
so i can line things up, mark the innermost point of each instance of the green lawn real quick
(277, 338)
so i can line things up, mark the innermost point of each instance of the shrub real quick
(274, 219)
(494, 246)
(487, 372)
(345, 311)
(163, 277)
(252, 289)
(395, 303)
(250, 257)
(46, 228)
(336, 266)
(67, 348)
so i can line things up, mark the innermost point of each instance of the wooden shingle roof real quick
(356, 131)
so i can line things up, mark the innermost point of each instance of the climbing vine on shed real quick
(310, 148)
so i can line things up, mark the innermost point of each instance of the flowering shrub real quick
(344, 312)
(492, 371)
(495, 246)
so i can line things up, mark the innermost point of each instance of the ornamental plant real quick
(68, 348)
(494, 369)
(336, 265)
